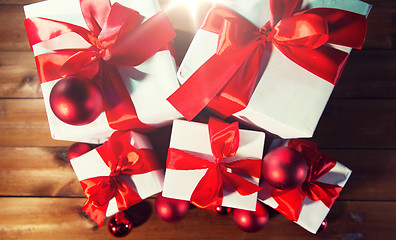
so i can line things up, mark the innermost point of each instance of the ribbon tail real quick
(209, 191)
(96, 213)
(147, 38)
(193, 96)
(290, 203)
(126, 196)
(237, 93)
(325, 62)
(119, 107)
(241, 185)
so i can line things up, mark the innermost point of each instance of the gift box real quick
(309, 204)
(118, 174)
(248, 61)
(213, 164)
(124, 50)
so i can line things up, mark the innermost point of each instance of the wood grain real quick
(41, 172)
(49, 218)
(40, 196)
(11, 14)
(368, 74)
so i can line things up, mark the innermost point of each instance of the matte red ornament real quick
(120, 224)
(76, 100)
(251, 221)
(220, 210)
(171, 210)
(284, 168)
(77, 149)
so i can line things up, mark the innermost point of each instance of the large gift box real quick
(309, 204)
(117, 175)
(122, 48)
(270, 63)
(214, 164)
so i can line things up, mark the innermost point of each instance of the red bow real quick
(224, 139)
(226, 81)
(290, 201)
(123, 159)
(116, 36)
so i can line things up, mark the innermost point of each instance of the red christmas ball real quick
(323, 225)
(120, 224)
(77, 149)
(251, 221)
(220, 210)
(171, 210)
(76, 100)
(284, 168)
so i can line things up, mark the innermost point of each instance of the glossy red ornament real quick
(220, 210)
(171, 210)
(323, 225)
(284, 168)
(120, 224)
(251, 221)
(76, 100)
(77, 149)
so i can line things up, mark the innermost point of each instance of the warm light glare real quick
(191, 5)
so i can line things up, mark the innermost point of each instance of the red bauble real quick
(76, 100)
(120, 225)
(251, 221)
(171, 210)
(77, 149)
(323, 225)
(284, 168)
(220, 210)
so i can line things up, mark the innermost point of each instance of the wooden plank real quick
(23, 122)
(18, 75)
(39, 171)
(357, 123)
(368, 74)
(46, 218)
(344, 124)
(378, 37)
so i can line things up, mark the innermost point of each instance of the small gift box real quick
(118, 174)
(122, 49)
(308, 204)
(272, 63)
(214, 164)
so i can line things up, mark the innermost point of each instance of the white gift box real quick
(313, 213)
(288, 100)
(194, 138)
(148, 94)
(91, 164)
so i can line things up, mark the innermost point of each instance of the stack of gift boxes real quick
(108, 77)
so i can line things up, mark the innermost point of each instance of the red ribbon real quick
(290, 201)
(116, 36)
(226, 81)
(208, 193)
(123, 160)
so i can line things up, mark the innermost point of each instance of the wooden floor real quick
(40, 197)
